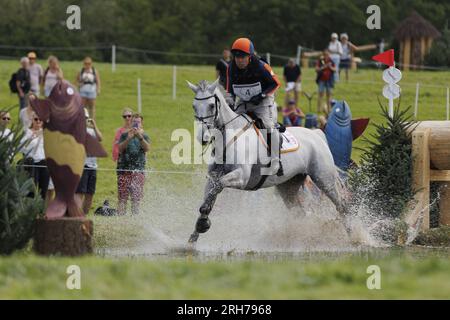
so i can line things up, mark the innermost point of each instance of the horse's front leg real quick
(214, 186)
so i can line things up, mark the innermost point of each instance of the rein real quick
(218, 104)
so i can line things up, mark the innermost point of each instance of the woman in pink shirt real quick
(127, 115)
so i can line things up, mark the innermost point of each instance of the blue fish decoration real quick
(339, 134)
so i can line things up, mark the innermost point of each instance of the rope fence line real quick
(122, 170)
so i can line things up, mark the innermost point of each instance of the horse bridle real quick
(217, 105)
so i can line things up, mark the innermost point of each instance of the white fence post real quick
(113, 58)
(139, 97)
(416, 102)
(174, 83)
(448, 102)
(299, 53)
(268, 57)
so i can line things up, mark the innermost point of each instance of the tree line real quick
(206, 26)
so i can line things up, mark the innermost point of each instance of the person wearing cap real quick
(87, 185)
(347, 53)
(335, 49)
(36, 73)
(252, 84)
(292, 116)
(291, 75)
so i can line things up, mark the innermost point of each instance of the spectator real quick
(291, 75)
(88, 181)
(23, 82)
(335, 49)
(35, 156)
(52, 74)
(222, 66)
(88, 80)
(133, 146)
(36, 74)
(325, 68)
(5, 119)
(292, 116)
(26, 116)
(127, 115)
(347, 53)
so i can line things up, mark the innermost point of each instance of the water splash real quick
(245, 221)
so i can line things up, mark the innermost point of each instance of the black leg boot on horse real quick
(203, 222)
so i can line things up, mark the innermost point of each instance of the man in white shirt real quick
(335, 49)
(36, 73)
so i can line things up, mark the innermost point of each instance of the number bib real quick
(247, 91)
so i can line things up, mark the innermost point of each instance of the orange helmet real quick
(243, 46)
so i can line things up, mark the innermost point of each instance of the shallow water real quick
(250, 225)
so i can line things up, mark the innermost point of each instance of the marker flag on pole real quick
(386, 57)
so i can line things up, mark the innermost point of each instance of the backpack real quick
(25, 85)
(12, 83)
(93, 71)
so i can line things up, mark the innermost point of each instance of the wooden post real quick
(299, 53)
(448, 103)
(305, 62)
(174, 83)
(113, 58)
(63, 236)
(416, 102)
(407, 54)
(444, 205)
(423, 49)
(139, 96)
(421, 178)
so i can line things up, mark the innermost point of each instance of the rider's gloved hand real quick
(257, 99)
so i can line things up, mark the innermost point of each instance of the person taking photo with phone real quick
(133, 146)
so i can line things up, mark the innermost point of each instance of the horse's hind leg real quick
(290, 189)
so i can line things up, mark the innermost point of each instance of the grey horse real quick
(237, 167)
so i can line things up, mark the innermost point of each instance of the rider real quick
(252, 83)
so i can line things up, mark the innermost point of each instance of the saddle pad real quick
(290, 144)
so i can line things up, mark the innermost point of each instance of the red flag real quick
(386, 57)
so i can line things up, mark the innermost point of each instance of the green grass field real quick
(404, 276)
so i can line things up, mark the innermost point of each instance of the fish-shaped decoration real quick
(66, 144)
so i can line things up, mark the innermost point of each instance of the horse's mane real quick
(203, 85)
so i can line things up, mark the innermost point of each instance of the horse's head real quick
(206, 108)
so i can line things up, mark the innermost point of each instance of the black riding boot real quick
(269, 145)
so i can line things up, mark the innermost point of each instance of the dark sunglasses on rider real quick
(6, 119)
(126, 116)
(37, 119)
